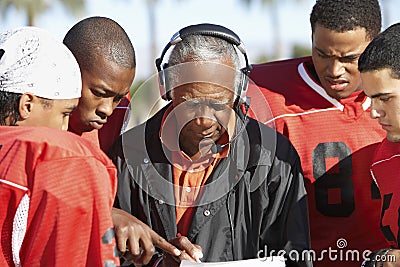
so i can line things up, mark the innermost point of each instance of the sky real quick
(251, 23)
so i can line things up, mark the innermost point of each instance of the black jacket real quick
(255, 201)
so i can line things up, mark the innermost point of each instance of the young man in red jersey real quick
(379, 65)
(40, 86)
(318, 103)
(107, 61)
(51, 182)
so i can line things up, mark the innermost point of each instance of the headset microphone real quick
(215, 148)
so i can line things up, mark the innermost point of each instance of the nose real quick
(204, 116)
(376, 113)
(336, 68)
(105, 109)
(64, 125)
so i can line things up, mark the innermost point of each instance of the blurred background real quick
(270, 29)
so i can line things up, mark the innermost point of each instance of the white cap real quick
(34, 61)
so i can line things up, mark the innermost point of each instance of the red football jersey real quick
(56, 195)
(385, 170)
(335, 141)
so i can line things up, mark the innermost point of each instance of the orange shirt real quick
(189, 175)
(191, 179)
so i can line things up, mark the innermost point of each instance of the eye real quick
(67, 114)
(98, 93)
(192, 103)
(218, 106)
(385, 98)
(322, 55)
(349, 59)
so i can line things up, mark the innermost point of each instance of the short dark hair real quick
(9, 107)
(100, 36)
(347, 15)
(383, 52)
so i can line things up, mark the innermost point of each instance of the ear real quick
(26, 103)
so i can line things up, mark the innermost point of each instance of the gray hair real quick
(204, 48)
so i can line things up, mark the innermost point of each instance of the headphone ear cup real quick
(163, 83)
(244, 82)
(167, 83)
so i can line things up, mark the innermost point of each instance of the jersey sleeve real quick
(69, 221)
(385, 171)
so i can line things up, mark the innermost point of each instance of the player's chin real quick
(340, 94)
(86, 128)
(393, 137)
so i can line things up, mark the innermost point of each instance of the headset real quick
(207, 30)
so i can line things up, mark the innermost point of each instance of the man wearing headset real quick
(201, 171)
(107, 61)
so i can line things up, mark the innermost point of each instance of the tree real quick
(33, 8)
(386, 10)
(299, 50)
(151, 6)
(273, 7)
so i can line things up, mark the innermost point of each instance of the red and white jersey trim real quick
(379, 162)
(318, 89)
(20, 223)
(14, 185)
(313, 85)
(299, 114)
(383, 160)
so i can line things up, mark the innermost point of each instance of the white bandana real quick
(34, 61)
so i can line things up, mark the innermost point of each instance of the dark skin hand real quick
(189, 251)
(139, 239)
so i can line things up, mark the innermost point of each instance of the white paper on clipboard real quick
(276, 261)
